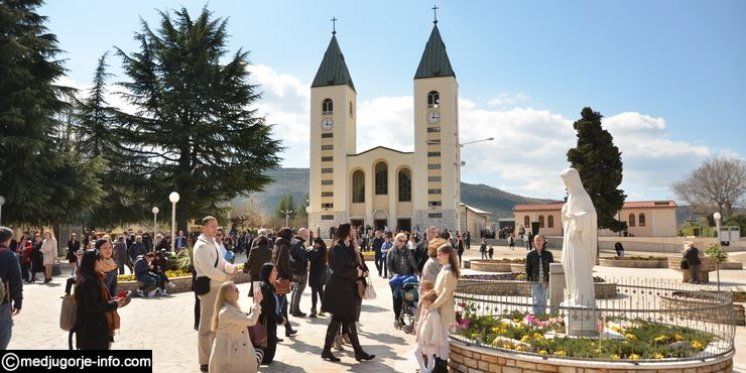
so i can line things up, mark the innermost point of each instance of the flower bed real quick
(181, 279)
(635, 340)
(490, 266)
(634, 262)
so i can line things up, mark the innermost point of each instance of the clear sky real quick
(669, 76)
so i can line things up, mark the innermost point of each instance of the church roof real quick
(333, 69)
(434, 62)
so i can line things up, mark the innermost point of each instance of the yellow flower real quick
(630, 336)
(615, 357)
(634, 357)
(520, 348)
(662, 338)
(678, 337)
(542, 352)
(525, 338)
(658, 356)
(560, 353)
(697, 345)
(538, 336)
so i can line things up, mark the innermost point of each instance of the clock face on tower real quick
(433, 117)
(327, 124)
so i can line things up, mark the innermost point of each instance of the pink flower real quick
(463, 323)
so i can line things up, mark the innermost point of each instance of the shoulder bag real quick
(370, 292)
(202, 283)
(282, 286)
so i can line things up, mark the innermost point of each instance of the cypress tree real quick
(599, 163)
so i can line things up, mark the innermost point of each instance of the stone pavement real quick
(165, 326)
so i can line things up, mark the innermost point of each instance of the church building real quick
(384, 187)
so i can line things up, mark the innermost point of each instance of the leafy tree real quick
(93, 124)
(41, 181)
(719, 183)
(195, 130)
(717, 255)
(287, 203)
(599, 163)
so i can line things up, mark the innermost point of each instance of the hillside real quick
(294, 181)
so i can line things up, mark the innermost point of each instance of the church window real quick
(358, 187)
(433, 99)
(433, 166)
(327, 106)
(382, 178)
(433, 178)
(327, 135)
(433, 191)
(327, 159)
(641, 220)
(433, 154)
(327, 205)
(433, 203)
(433, 129)
(327, 217)
(327, 182)
(541, 221)
(526, 221)
(550, 221)
(327, 194)
(405, 185)
(327, 147)
(351, 109)
(436, 215)
(631, 221)
(327, 170)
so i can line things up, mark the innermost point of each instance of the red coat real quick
(25, 248)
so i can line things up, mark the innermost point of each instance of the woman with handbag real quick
(96, 315)
(271, 313)
(341, 296)
(232, 350)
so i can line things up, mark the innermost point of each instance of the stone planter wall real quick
(490, 266)
(681, 307)
(739, 314)
(675, 263)
(629, 263)
(523, 288)
(731, 265)
(183, 284)
(469, 359)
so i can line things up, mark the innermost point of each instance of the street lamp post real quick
(716, 216)
(155, 221)
(2, 202)
(287, 215)
(173, 197)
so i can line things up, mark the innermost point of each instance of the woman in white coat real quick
(445, 287)
(232, 350)
(49, 250)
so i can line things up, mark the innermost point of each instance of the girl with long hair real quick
(232, 350)
(445, 287)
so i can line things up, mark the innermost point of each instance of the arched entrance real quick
(380, 219)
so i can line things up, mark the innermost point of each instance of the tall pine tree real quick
(40, 180)
(195, 130)
(599, 163)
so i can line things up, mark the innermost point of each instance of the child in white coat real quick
(429, 341)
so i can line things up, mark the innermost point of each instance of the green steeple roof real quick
(333, 69)
(434, 61)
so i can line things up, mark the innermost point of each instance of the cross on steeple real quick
(435, 14)
(334, 25)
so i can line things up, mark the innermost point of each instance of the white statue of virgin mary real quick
(580, 224)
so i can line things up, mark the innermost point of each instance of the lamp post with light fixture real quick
(173, 197)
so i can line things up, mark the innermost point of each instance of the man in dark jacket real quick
(377, 244)
(10, 274)
(299, 269)
(258, 255)
(537, 272)
(420, 251)
(691, 256)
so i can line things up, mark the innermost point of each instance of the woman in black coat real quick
(317, 273)
(269, 316)
(92, 329)
(341, 296)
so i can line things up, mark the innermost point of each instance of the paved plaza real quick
(165, 326)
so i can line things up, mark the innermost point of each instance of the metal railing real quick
(638, 320)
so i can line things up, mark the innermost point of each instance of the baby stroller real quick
(409, 292)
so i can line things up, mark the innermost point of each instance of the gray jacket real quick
(401, 261)
(430, 270)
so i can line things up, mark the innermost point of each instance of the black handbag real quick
(684, 264)
(202, 283)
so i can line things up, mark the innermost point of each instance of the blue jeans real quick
(539, 293)
(6, 325)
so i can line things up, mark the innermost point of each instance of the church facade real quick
(384, 187)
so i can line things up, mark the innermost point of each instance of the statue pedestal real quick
(582, 322)
(556, 287)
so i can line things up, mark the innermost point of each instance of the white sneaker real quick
(153, 293)
(164, 292)
(171, 285)
(140, 293)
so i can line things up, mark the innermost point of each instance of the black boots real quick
(360, 355)
(331, 334)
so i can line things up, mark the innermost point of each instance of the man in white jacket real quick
(208, 262)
